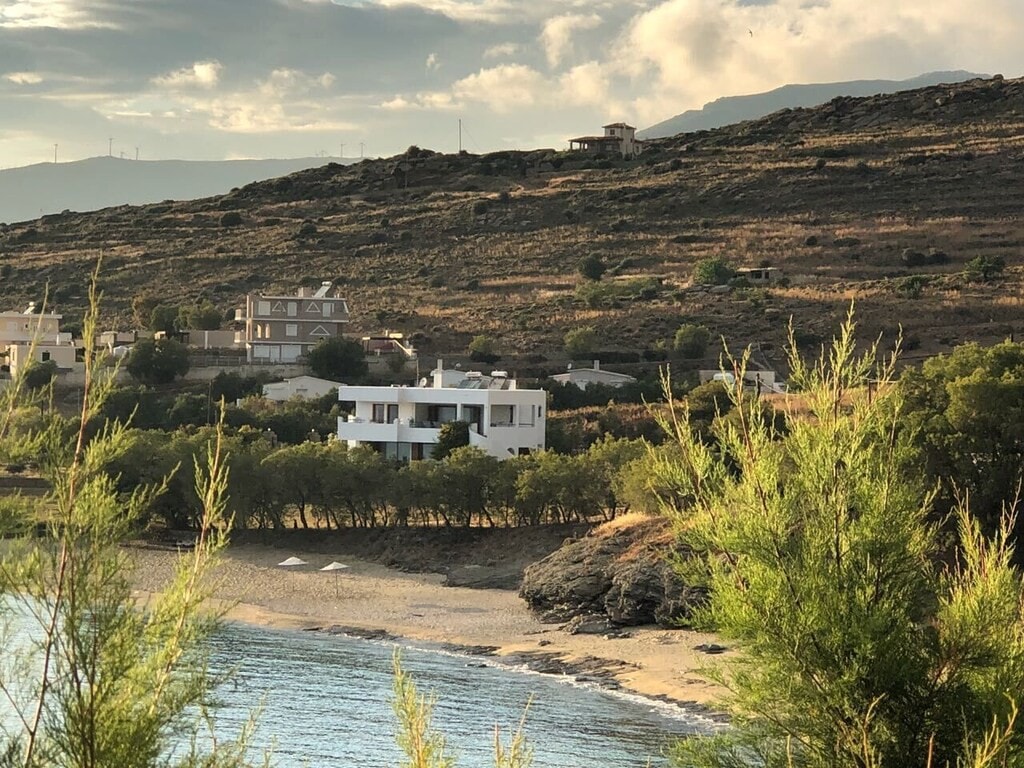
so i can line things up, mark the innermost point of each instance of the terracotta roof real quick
(618, 125)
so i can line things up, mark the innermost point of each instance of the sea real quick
(325, 700)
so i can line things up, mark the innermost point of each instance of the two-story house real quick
(281, 329)
(618, 138)
(31, 336)
(404, 422)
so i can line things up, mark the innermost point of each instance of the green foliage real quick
(484, 349)
(338, 359)
(94, 678)
(856, 646)
(591, 267)
(450, 436)
(201, 317)
(984, 268)
(713, 271)
(966, 410)
(581, 342)
(39, 375)
(163, 318)
(157, 361)
(609, 293)
(691, 341)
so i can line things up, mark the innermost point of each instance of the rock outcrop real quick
(622, 570)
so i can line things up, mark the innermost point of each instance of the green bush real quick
(984, 268)
(157, 361)
(713, 271)
(591, 267)
(691, 341)
(338, 359)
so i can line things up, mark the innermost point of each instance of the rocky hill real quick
(884, 199)
(735, 109)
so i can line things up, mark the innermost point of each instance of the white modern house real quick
(583, 377)
(404, 422)
(618, 138)
(299, 386)
(31, 336)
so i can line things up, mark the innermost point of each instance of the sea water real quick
(326, 701)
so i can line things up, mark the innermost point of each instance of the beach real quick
(250, 587)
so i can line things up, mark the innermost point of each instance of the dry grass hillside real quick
(840, 197)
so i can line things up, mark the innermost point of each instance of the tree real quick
(967, 412)
(591, 267)
(713, 271)
(338, 359)
(856, 645)
(201, 317)
(163, 318)
(454, 434)
(484, 349)
(90, 677)
(39, 375)
(581, 342)
(157, 361)
(691, 341)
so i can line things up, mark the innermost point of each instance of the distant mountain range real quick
(100, 182)
(735, 109)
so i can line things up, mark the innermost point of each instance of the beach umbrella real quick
(337, 568)
(292, 561)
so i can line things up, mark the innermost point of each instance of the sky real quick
(222, 79)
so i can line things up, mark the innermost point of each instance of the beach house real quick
(404, 422)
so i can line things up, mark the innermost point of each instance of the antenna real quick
(110, 147)
(460, 135)
(54, 154)
(136, 153)
(341, 151)
(361, 145)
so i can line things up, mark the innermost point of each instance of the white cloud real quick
(202, 74)
(503, 88)
(58, 14)
(501, 50)
(557, 34)
(432, 63)
(287, 83)
(24, 78)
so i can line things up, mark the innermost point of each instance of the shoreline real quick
(373, 602)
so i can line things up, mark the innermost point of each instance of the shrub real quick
(480, 207)
(581, 342)
(691, 341)
(483, 349)
(157, 361)
(591, 267)
(338, 358)
(713, 271)
(231, 219)
(984, 268)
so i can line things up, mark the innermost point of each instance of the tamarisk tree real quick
(858, 642)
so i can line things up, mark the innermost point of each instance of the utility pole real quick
(54, 154)
(136, 153)
(341, 151)
(361, 145)
(110, 147)
(460, 135)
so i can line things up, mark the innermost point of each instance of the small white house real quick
(583, 377)
(762, 382)
(404, 422)
(305, 387)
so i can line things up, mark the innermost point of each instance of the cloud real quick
(55, 14)
(501, 50)
(432, 62)
(289, 83)
(557, 34)
(24, 78)
(202, 74)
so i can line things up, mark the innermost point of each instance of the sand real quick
(253, 589)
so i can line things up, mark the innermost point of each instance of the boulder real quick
(622, 572)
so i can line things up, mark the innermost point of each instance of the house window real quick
(291, 329)
(293, 309)
(46, 356)
(266, 331)
(378, 413)
(328, 308)
(262, 307)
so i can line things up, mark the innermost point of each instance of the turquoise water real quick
(326, 703)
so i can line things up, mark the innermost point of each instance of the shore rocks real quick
(619, 575)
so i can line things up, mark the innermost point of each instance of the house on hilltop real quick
(404, 423)
(618, 137)
(583, 377)
(281, 329)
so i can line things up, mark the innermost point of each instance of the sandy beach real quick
(650, 661)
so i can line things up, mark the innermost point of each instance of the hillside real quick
(840, 197)
(736, 109)
(99, 182)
